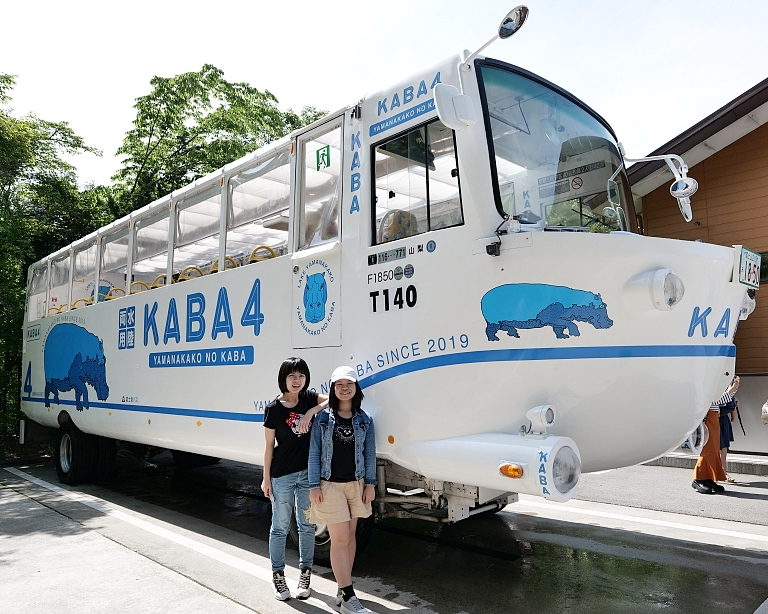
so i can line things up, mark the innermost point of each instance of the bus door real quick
(316, 263)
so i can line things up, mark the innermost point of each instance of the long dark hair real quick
(292, 365)
(357, 400)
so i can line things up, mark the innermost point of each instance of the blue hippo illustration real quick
(515, 306)
(74, 357)
(315, 296)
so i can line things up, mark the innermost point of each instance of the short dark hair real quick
(292, 365)
(357, 400)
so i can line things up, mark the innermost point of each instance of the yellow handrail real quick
(140, 283)
(183, 276)
(109, 296)
(227, 260)
(255, 258)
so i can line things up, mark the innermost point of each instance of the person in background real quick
(342, 477)
(709, 468)
(727, 416)
(286, 482)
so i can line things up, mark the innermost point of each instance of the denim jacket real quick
(321, 447)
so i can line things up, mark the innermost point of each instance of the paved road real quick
(635, 540)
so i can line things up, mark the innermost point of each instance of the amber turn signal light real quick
(511, 470)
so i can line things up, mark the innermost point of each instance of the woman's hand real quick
(305, 423)
(316, 496)
(369, 494)
(266, 487)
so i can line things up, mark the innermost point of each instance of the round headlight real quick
(667, 289)
(566, 469)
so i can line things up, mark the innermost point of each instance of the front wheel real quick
(75, 455)
(363, 534)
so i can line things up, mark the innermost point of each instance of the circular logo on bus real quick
(316, 312)
(398, 273)
(408, 270)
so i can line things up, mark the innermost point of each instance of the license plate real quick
(749, 268)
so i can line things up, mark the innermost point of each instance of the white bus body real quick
(382, 258)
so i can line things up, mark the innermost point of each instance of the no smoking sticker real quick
(576, 183)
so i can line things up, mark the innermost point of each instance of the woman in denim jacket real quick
(342, 476)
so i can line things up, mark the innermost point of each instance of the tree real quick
(41, 210)
(190, 125)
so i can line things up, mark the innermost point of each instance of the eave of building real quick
(714, 133)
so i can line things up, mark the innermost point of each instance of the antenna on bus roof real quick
(511, 23)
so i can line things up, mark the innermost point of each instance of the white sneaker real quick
(353, 606)
(303, 591)
(281, 588)
(339, 598)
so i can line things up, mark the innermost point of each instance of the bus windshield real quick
(553, 159)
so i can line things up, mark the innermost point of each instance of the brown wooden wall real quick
(731, 208)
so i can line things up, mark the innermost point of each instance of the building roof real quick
(728, 124)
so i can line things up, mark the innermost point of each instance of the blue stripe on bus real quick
(511, 355)
(432, 362)
(151, 409)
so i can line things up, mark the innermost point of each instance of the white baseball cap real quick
(344, 372)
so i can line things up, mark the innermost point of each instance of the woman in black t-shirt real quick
(286, 422)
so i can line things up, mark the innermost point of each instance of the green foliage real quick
(41, 210)
(190, 125)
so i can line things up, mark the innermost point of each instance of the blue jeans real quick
(286, 490)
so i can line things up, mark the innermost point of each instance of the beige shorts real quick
(342, 501)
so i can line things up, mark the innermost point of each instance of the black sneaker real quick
(701, 486)
(303, 590)
(714, 485)
(281, 588)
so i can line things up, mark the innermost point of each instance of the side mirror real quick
(682, 189)
(455, 110)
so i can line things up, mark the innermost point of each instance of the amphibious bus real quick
(465, 239)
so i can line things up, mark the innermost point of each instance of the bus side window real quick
(114, 262)
(320, 189)
(257, 220)
(58, 293)
(416, 183)
(36, 305)
(196, 244)
(83, 277)
(150, 248)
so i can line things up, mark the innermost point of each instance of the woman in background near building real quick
(709, 468)
(727, 416)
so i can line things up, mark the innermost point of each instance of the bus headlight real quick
(667, 289)
(662, 286)
(566, 469)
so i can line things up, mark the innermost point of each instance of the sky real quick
(651, 68)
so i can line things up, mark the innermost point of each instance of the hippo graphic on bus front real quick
(525, 306)
(74, 357)
(315, 296)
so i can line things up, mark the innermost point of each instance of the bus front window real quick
(554, 160)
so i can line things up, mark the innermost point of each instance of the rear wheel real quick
(75, 455)
(106, 458)
(190, 460)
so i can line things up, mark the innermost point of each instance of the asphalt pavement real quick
(634, 540)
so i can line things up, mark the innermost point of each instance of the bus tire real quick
(106, 453)
(75, 454)
(190, 460)
(323, 539)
